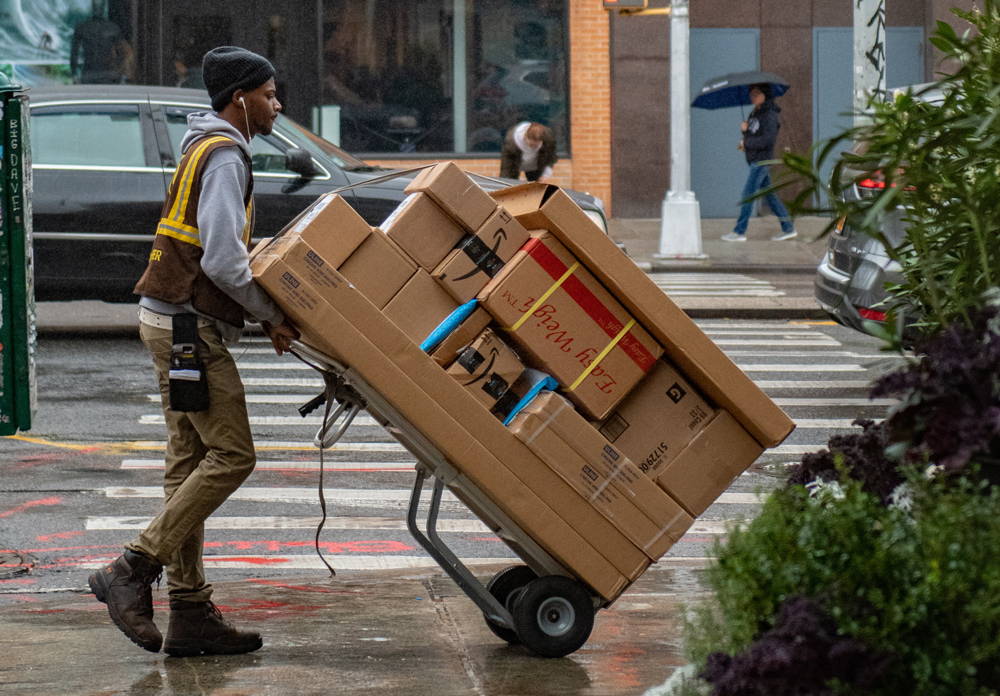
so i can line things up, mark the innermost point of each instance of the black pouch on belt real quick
(188, 381)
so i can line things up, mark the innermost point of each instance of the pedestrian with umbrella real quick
(760, 132)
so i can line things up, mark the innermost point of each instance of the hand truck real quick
(540, 604)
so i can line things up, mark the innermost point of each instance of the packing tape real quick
(603, 354)
(545, 295)
(563, 405)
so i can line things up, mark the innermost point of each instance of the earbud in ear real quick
(243, 103)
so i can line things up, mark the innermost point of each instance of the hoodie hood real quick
(203, 123)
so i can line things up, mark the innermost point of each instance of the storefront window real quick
(430, 76)
(84, 41)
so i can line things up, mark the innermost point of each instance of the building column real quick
(590, 99)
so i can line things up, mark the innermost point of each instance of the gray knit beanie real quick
(229, 68)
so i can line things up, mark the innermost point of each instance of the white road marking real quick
(328, 465)
(771, 342)
(311, 421)
(271, 445)
(763, 367)
(257, 561)
(787, 401)
(316, 384)
(348, 497)
(470, 526)
(811, 384)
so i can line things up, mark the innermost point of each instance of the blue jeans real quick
(759, 178)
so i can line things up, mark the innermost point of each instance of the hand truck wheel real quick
(553, 615)
(506, 586)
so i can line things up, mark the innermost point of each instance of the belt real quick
(164, 321)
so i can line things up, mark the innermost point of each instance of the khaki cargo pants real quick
(209, 454)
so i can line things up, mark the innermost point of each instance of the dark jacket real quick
(510, 156)
(762, 132)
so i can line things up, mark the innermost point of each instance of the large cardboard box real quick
(556, 311)
(657, 419)
(330, 226)
(557, 414)
(378, 268)
(651, 519)
(420, 306)
(479, 257)
(487, 367)
(456, 193)
(348, 328)
(694, 353)
(423, 230)
(707, 466)
(464, 334)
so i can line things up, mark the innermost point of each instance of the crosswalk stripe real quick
(297, 399)
(824, 423)
(814, 384)
(311, 421)
(725, 293)
(826, 354)
(316, 383)
(805, 342)
(785, 401)
(347, 497)
(340, 562)
(328, 465)
(264, 445)
(386, 524)
(762, 367)
(775, 332)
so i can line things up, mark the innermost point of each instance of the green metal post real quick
(18, 397)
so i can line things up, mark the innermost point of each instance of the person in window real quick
(760, 131)
(529, 148)
(198, 277)
(99, 52)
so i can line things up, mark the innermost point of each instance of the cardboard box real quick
(330, 226)
(657, 419)
(485, 453)
(487, 367)
(707, 466)
(456, 193)
(557, 414)
(572, 328)
(479, 257)
(420, 306)
(694, 353)
(378, 268)
(464, 334)
(423, 230)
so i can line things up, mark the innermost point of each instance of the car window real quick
(88, 135)
(268, 151)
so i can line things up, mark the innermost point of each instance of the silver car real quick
(852, 278)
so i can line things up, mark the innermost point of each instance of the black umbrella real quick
(734, 89)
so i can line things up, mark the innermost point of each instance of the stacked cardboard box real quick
(558, 300)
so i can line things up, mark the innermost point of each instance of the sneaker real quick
(733, 237)
(197, 628)
(125, 586)
(781, 236)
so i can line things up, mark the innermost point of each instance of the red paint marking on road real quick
(489, 538)
(256, 560)
(18, 581)
(276, 546)
(44, 611)
(54, 500)
(55, 549)
(57, 535)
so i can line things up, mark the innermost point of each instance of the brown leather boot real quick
(124, 586)
(197, 628)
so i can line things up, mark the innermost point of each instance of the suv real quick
(103, 157)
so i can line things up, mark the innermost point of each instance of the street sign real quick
(18, 397)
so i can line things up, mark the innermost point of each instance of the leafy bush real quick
(939, 165)
(913, 596)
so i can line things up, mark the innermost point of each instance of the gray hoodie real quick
(221, 217)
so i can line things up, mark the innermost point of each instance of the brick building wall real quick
(589, 166)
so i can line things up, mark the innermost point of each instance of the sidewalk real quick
(757, 256)
(408, 633)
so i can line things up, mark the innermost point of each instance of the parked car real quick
(103, 156)
(852, 277)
